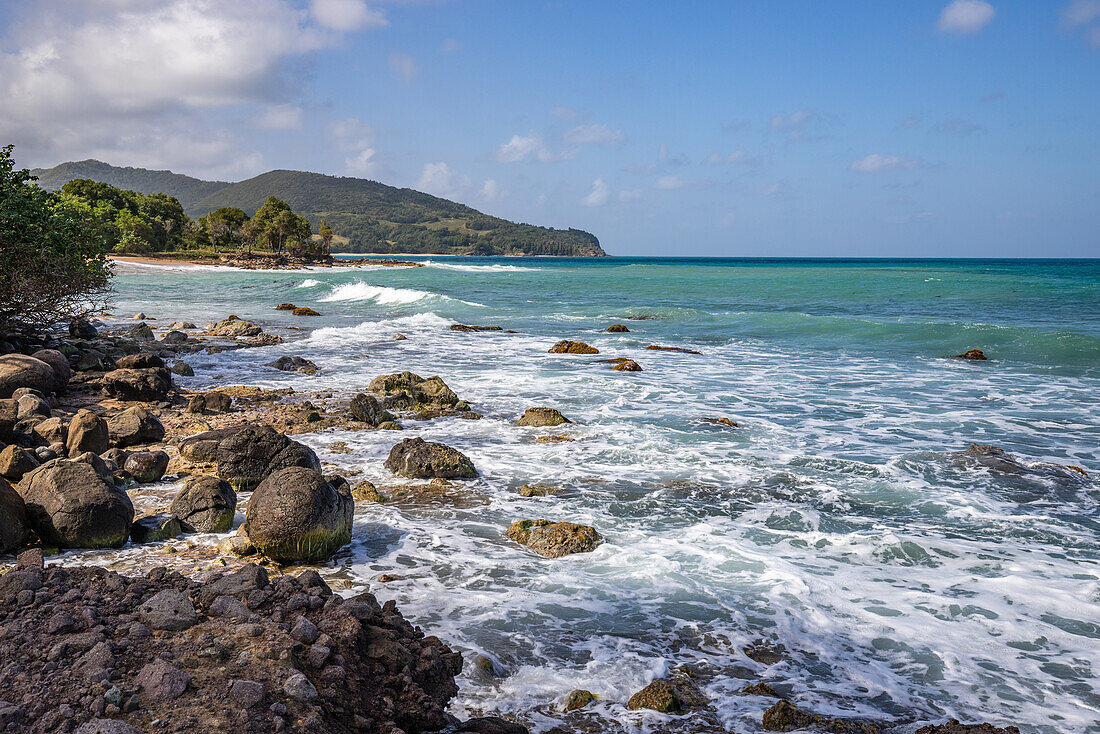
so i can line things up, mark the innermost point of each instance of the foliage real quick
(53, 264)
(223, 228)
(275, 227)
(128, 221)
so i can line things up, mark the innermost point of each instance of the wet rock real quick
(15, 462)
(553, 439)
(174, 337)
(71, 506)
(536, 490)
(168, 610)
(419, 459)
(146, 467)
(569, 347)
(14, 523)
(155, 528)
(81, 328)
(263, 340)
(182, 325)
(658, 348)
(491, 725)
(720, 422)
(468, 328)
(245, 455)
(305, 311)
(140, 385)
(760, 688)
(399, 337)
(785, 716)
(542, 417)
(87, 432)
(59, 363)
(141, 332)
(19, 370)
(295, 515)
(765, 652)
(409, 391)
(622, 364)
(554, 539)
(972, 354)
(618, 329)
(182, 369)
(953, 726)
(578, 699)
(161, 681)
(139, 361)
(294, 364)
(285, 307)
(676, 694)
(133, 426)
(366, 492)
(205, 505)
(999, 461)
(367, 409)
(234, 327)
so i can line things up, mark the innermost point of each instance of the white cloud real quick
(1081, 12)
(530, 147)
(669, 183)
(404, 67)
(347, 15)
(594, 135)
(365, 163)
(442, 180)
(491, 191)
(965, 16)
(350, 134)
(279, 117)
(719, 159)
(599, 194)
(875, 163)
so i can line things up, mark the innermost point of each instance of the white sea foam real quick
(380, 294)
(466, 268)
(309, 283)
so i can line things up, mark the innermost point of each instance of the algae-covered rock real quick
(542, 417)
(419, 459)
(247, 454)
(554, 539)
(570, 347)
(578, 699)
(409, 391)
(295, 515)
(205, 505)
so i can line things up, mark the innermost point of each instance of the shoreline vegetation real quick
(235, 627)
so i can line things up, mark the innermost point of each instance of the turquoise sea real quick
(835, 523)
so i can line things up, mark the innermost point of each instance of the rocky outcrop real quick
(59, 363)
(71, 506)
(139, 361)
(134, 426)
(142, 332)
(568, 347)
(205, 505)
(622, 364)
(19, 370)
(676, 694)
(212, 402)
(953, 726)
(235, 327)
(182, 369)
(285, 307)
(659, 348)
(416, 458)
(554, 539)
(304, 311)
(411, 392)
(14, 523)
(295, 515)
(539, 417)
(87, 432)
(140, 385)
(245, 455)
(146, 467)
(239, 653)
(294, 364)
(618, 329)
(785, 716)
(81, 328)
(367, 409)
(467, 328)
(976, 354)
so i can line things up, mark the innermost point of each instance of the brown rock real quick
(554, 539)
(972, 354)
(87, 432)
(568, 347)
(618, 329)
(542, 417)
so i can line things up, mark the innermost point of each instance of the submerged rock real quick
(569, 347)
(247, 454)
(294, 364)
(539, 417)
(71, 506)
(972, 354)
(622, 364)
(618, 329)
(205, 505)
(578, 699)
(1000, 461)
(785, 716)
(468, 328)
(953, 726)
(658, 348)
(285, 307)
(182, 369)
(235, 327)
(304, 311)
(675, 694)
(419, 459)
(554, 539)
(295, 515)
(411, 392)
(155, 528)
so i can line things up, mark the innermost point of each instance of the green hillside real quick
(372, 216)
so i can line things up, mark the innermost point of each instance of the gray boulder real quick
(71, 506)
(409, 391)
(234, 327)
(168, 610)
(205, 505)
(87, 432)
(159, 682)
(294, 364)
(294, 515)
(133, 426)
(19, 370)
(182, 369)
(139, 361)
(419, 459)
(247, 454)
(174, 337)
(27, 406)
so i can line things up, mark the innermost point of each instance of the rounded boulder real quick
(71, 506)
(19, 370)
(295, 515)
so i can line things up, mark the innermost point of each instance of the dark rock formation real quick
(554, 539)
(139, 361)
(409, 391)
(419, 459)
(182, 369)
(146, 467)
(235, 327)
(59, 363)
(247, 454)
(140, 385)
(972, 354)
(567, 347)
(676, 694)
(304, 311)
(205, 505)
(134, 426)
(785, 716)
(468, 328)
(542, 417)
(15, 462)
(14, 523)
(618, 329)
(658, 348)
(295, 515)
(954, 727)
(622, 364)
(81, 328)
(155, 528)
(294, 364)
(213, 402)
(367, 409)
(999, 461)
(71, 506)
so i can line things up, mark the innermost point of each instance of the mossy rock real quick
(554, 539)
(305, 311)
(570, 347)
(578, 699)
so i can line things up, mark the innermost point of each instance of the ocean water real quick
(902, 584)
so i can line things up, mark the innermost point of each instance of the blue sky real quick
(965, 128)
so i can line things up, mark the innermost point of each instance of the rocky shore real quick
(263, 261)
(90, 422)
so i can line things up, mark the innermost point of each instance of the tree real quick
(53, 264)
(274, 226)
(225, 227)
(326, 236)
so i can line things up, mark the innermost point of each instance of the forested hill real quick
(373, 217)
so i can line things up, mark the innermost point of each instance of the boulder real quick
(285, 307)
(205, 505)
(133, 426)
(304, 311)
(468, 328)
(618, 329)
(155, 528)
(81, 328)
(93, 359)
(160, 681)
(52, 430)
(294, 364)
(622, 364)
(174, 337)
(676, 694)
(182, 369)
(19, 370)
(168, 610)
(578, 698)
(659, 348)
(141, 332)
(554, 539)
(59, 363)
(139, 361)
(542, 417)
(972, 354)
(999, 461)
(71, 506)
(954, 726)
(568, 347)
(416, 458)
(31, 405)
(98, 465)
(294, 515)
(87, 432)
(367, 409)
(9, 412)
(785, 716)
(14, 523)
(15, 462)
(146, 467)
(409, 391)
(181, 325)
(234, 327)
(140, 385)
(247, 454)
(213, 401)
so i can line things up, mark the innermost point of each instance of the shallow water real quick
(903, 584)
